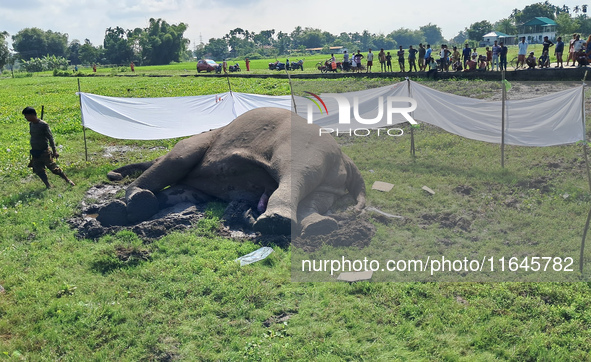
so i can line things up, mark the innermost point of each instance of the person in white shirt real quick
(521, 53)
(369, 60)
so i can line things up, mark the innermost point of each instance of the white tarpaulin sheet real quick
(549, 120)
(161, 118)
(543, 121)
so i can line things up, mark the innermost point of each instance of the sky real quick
(88, 19)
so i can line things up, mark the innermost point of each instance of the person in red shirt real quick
(471, 64)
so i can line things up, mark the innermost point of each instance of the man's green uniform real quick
(41, 153)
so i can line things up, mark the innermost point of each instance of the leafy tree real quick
(383, 42)
(161, 43)
(432, 34)
(117, 47)
(531, 11)
(406, 37)
(478, 29)
(57, 43)
(73, 52)
(366, 40)
(283, 42)
(4, 52)
(506, 26)
(47, 62)
(460, 38)
(264, 38)
(566, 24)
(88, 54)
(584, 24)
(35, 43)
(311, 38)
(216, 48)
(296, 35)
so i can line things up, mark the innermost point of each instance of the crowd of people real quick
(494, 58)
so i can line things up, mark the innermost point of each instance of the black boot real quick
(63, 175)
(43, 177)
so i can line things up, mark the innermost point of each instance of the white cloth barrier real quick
(161, 118)
(549, 120)
(543, 121)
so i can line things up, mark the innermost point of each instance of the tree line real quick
(159, 43)
(163, 43)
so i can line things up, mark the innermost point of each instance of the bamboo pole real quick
(412, 133)
(581, 256)
(82, 118)
(293, 102)
(504, 93)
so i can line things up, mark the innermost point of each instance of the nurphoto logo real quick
(388, 108)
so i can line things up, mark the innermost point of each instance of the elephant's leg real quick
(169, 169)
(129, 170)
(310, 214)
(279, 216)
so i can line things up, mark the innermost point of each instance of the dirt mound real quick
(237, 220)
(448, 220)
(355, 231)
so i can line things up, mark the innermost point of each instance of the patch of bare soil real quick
(130, 253)
(447, 220)
(539, 183)
(354, 231)
(464, 189)
(179, 217)
(237, 220)
(280, 318)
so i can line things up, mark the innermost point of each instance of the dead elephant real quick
(269, 157)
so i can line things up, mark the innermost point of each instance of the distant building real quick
(536, 29)
(489, 39)
(337, 49)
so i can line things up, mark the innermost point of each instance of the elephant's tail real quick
(134, 169)
(355, 183)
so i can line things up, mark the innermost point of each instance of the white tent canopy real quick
(543, 121)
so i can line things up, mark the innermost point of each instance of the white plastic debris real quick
(255, 256)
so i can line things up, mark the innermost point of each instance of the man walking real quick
(42, 155)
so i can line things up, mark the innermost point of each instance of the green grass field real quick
(261, 66)
(70, 299)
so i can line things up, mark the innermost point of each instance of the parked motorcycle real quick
(277, 66)
(235, 68)
(329, 66)
(297, 65)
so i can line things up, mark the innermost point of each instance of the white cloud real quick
(82, 19)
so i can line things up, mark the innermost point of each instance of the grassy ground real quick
(261, 66)
(183, 297)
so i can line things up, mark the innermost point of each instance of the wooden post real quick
(504, 93)
(581, 256)
(412, 133)
(585, 132)
(82, 118)
(293, 102)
